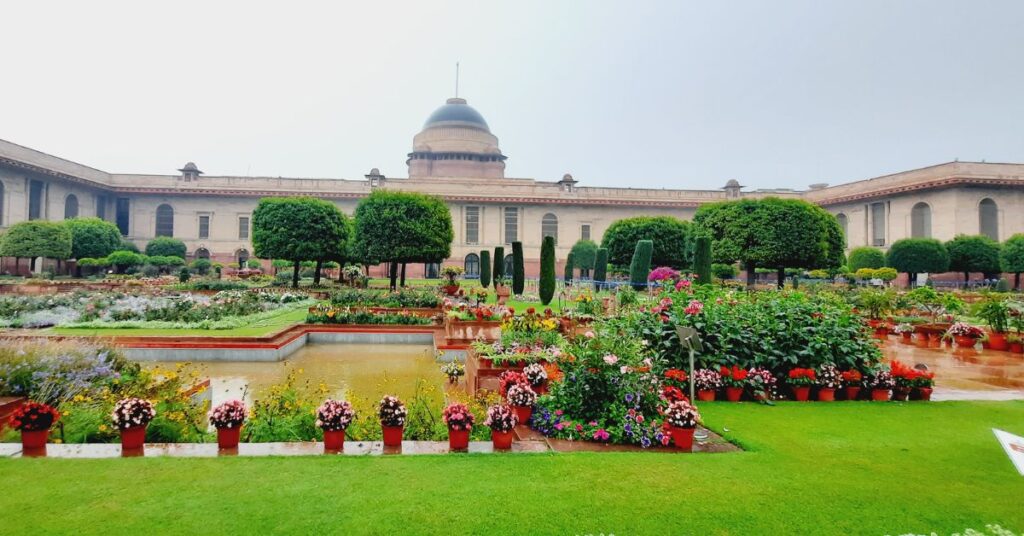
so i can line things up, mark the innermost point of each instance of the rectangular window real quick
(878, 224)
(511, 224)
(243, 227)
(204, 227)
(472, 225)
(101, 207)
(35, 200)
(122, 215)
(585, 231)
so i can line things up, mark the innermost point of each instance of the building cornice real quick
(52, 173)
(947, 182)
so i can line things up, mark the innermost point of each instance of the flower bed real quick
(403, 298)
(329, 314)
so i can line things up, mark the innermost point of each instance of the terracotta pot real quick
(393, 435)
(458, 439)
(706, 396)
(501, 440)
(133, 438)
(924, 393)
(801, 393)
(965, 342)
(683, 438)
(34, 439)
(934, 340)
(880, 395)
(826, 395)
(541, 389)
(852, 391)
(733, 394)
(907, 335)
(451, 290)
(986, 344)
(900, 393)
(334, 440)
(524, 413)
(486, 362)
(1017, 347)
(997, 341)
(227, 438)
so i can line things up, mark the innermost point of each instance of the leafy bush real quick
(723, 271)
(426, 298)
(866, 257)
(165, 246)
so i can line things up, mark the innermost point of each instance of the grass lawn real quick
(266, 326)
(847, 468)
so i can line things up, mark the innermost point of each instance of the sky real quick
(673, 94)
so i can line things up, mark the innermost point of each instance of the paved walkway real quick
(964, 374)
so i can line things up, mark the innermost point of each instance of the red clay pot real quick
(882, 332)
(924, 393)
(458, 439)
(334, 440)
(826, 395)
(1017, 347)
(683, 438)
(997, 341)
(900, 393)
(906, 335)
(733, 394)
(133, 438)
(965, 342)
(501, 440)
(451, 290)
(706, 396)
(524, 413)
(801, 393)
(986, 344)
(34, 439)
(852, 391)
(393, 435)
(227, 438)
(880, 395)
(541, 389)
(486, 362)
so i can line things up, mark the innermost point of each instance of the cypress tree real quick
(641, 264)
(485, 268)
(518, 269)
(568, 268)
(547, 270)
(600, 268)
(702, 259)
(499, 264)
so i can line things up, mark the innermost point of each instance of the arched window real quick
(164, 220)
(988, 218)
(844, 224)
(243, 256)
(472, 265)
(508, 266)
(549, 227)
(70, 207)
(202, 253)
(921, 221)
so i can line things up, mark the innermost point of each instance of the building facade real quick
(457, 158)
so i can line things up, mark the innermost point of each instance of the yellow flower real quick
(103, 428)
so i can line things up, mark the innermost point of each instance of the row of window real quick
(548, 226)
(165, 223)
(921, 221)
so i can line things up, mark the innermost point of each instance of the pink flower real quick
(624, 369)
(589, 334)
(579, 427)
(640, 417)
(683, 283)
(601, 435)
(559, 425)
(558, 412)
(694, 308)
(647, 361)
(611, 359)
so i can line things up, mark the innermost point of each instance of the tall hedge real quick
(547, 270)
(485, 268)
(518, 269)
(702, 259)
(499, 264)
(641, 264)
(600, 267)
(569, 266)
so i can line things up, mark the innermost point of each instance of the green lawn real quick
(847, 468)
(267, 326)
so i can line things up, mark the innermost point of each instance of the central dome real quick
(456, 112)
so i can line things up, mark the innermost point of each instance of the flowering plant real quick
(392, 411)
(501, 418)
(458, 417)
(535, 374)
(922, 379)
(662, 274)
(695, 307)
(802, 377)
(963, 329)
(521, 395)
(480, 294)
(33, 417)
(707, 380)
(682, 414)
(132, 412)
(762, 382)
(829, 376)
(451, 272)
(880, 380)
(230, 414)
(509, 378)
(734, 377)
(453, 369)
(852, 377)
(334, 415)
(903, 328)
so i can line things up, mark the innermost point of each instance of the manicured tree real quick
(165, 246)
(600, 268)
(702, 259)
(297, 229)
(201, 266)
(671, 238)
(485, 268)
(570, 265)
(866, 257)
(92, 237)
(36, 238)
(334, 247)
(917, 256)
(122, 260)
(584, 256)
(518, 269)
(976, 253)
(499, 265)
(1011, 257)
(547, 270)
(640, 266)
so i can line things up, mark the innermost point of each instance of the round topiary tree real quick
(1011, 257)
(92, 237)
(36, 238)
(865, 257)
(547, 270)
(122, 260)
(165, 246)
(640, 266)
(977, 253)
(600, 268)
(298, 229)
(584, 256)
(669, 235)
(518, 269)
(917, 256)
(485, 268)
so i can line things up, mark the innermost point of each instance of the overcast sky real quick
(642, 94)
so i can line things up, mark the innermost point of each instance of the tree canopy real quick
(671, 238)
(165, 246)
(973, 253)
(37, 238)
(298, 229)
(92, 237)
(584, 255)
(1011, 257)
(917, 256)
(865, 257)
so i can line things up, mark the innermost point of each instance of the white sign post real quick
(1014, 447)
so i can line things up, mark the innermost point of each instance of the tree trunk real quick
(341, 273)
(967, 278)
(781, 276)
(751, 276)
(17, 266)
(393, 274)
(912, 280)
(295, 275)
(403, 275)
(316, 274)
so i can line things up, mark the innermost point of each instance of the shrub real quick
(584, 256)
(973, 254)
(547, 270)
(670, 240)
(518, 269)
(723, 271)
(122, 260)
(866, 257)
(201, 266)
(918, 255)
(165, 246)
(485, 268)
(600, 267)
(641, 264)
(255, 264)
(498, 270)
(184, 275)
(886, 274)
(92, 237)
(569, 266)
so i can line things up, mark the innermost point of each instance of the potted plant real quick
(392, 420)
(131, 416)
(454, 370)
(706, 382)
(501, 418)
(1015, 343)
(994, 311)
(479, 294)
(902, 377)
(801, 380)
(829, 379)
(451, 273)
(537, 376)
(922, 382)
(880, 383)
(682, 418)
(876, 303)
(501, 289)
(228, 418)
(333, 417)
(734, 379)
(852, 380)
(762, 383)
(522, 398)
(905, 330)
(965, 335)
(33, 420)
(460, 421)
